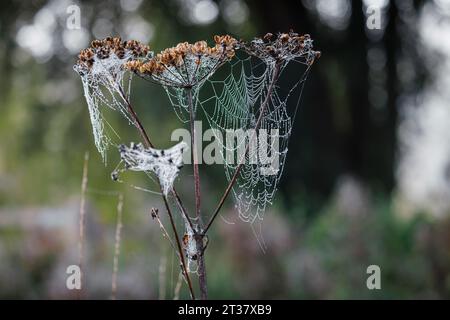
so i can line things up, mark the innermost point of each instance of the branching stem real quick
(198, 237)
(148, 143)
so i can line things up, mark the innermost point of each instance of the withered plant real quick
(249, 97)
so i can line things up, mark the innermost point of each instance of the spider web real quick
(193, 71)
(165, 164)
(106, 85)
(233, 105)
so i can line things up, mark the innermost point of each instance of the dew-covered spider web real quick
(235, 102)
(164, 163)
(106, 86)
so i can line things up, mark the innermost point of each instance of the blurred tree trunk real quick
(367, 147)
(8, 14)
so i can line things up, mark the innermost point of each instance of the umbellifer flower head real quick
(101, 68)
(282, 47)
(108, 53)
(186, 64)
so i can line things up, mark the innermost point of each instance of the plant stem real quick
(201, 267)
(198, 237)
(194, 154)
(180, 250)
(117, 247)
(263, 108)
(81, 223)
(148, 143)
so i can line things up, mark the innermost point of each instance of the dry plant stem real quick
(148, 143)
(165, 233)
(194, 154)
(180, 250)
(117, 247)
(198, 237)
(201, 267)
(183, 264)
(182, 208)
(263, 108)
(82, 214)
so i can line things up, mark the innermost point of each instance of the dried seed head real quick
(103, 49)
(227, 44)
(133, 65)
(86, 56)
(198, 61)
(148, 68)
(268, 36)
(199, 48)
(138, 49)
(102, 67)
(96, 43)
(283, 47)
(284, 37)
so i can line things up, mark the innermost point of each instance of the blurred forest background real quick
(367, 179)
